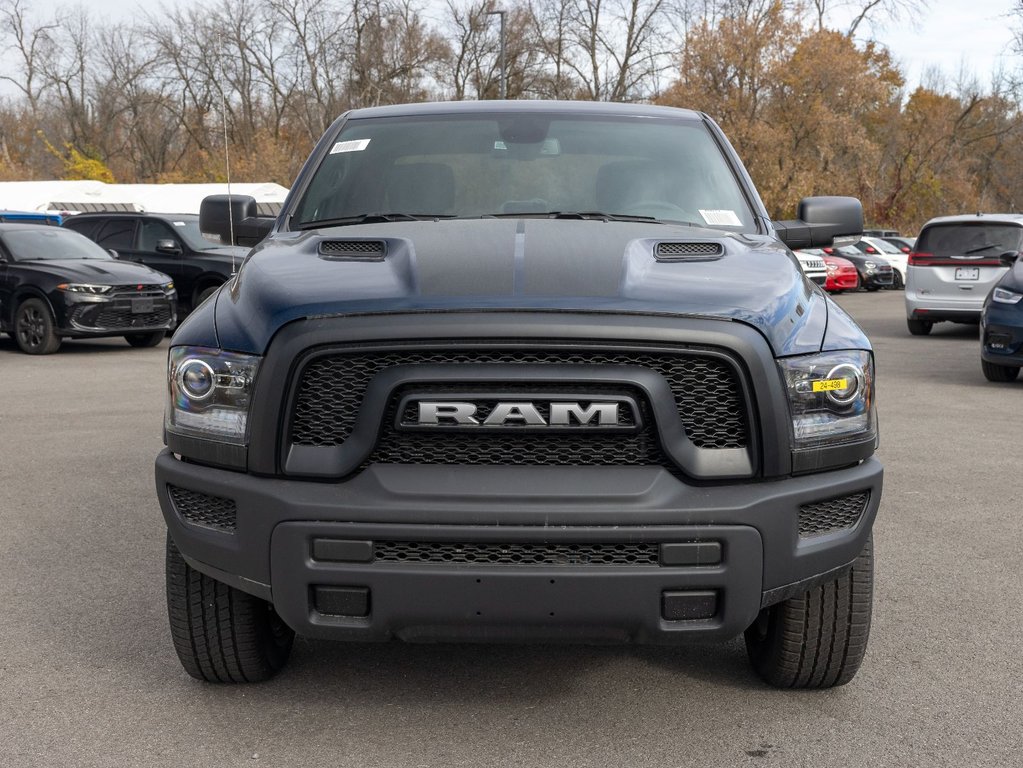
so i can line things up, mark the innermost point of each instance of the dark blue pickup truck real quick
(522, 371)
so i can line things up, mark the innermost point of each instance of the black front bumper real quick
(302, 545)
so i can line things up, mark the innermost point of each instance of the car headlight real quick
(84, 288)
(210, 391)
(168, 288)
(1003, 296)
(831, 398)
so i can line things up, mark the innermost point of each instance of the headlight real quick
(168, 288)
(83, 288)
(831, 398)
(209, 393)
(1002, 296)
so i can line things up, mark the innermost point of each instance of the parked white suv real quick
(813, 267)
(954, 266)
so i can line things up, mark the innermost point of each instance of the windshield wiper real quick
(370, 218)
(583, 215)
(984, 247)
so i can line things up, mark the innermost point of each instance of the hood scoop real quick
(688, 250)
(353, 250)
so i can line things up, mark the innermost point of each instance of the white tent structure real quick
(79, 196)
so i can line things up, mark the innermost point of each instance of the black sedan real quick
(1001, 324)
(55, 283)
(874, 271)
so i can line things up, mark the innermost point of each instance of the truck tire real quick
(816, 640)
(221, 634)
(34, 328)
(999, 373)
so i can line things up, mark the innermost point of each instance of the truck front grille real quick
(706, 388)
(474, 553)
(832, 515)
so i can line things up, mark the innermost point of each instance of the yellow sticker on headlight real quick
(828, 385)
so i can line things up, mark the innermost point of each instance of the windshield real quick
(51, 244)
(989, 240)
(525, 164)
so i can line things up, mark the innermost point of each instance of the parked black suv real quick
(56, 284)
(523, 371)
(170, 243)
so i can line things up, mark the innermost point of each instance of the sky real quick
(951, 37)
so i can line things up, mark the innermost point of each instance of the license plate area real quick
(141, 306)
(967, 273)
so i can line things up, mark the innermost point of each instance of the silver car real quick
(954, 266)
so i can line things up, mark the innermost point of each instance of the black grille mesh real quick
(707, 393)
(355, 248)
(202, 509)
(832, 515)
(689, 250)
(516, 554)
(117, 318)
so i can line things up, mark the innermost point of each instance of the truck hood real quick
(95, 271)
(521, 264)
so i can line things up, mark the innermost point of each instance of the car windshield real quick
(524, 164)
(51, 244)
(979, 239)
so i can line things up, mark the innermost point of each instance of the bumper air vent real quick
(204, 510)
(832, 515)
(688, 251)
(516, 554)
(349, 250)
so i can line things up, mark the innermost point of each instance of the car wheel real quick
(816, 640)
(221, 634)
(34, 328)
(871, 288)
(897, 283)
(919, 327)
(204, 293)
(151, 339)
(1000, 373)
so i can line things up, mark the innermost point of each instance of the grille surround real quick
(831, 515)
(480, 553)
(204, 510)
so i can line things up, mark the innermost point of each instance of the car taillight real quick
(871, 249)
(918, 259)
(829, 251)
(905, 249)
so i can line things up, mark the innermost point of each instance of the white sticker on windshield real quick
(179, 224)
(356, 145)
(721, 218)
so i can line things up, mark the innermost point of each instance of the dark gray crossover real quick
(522, 371)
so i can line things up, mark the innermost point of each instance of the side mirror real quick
(218, 212)
(168, 246)
(1008, 258)
(822, 220)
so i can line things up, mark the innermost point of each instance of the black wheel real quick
(816, 640)
(1000, 373)
(221, 634)
(150, 339)
(919, 327)
(897, 283)
(204, 293)
(34, 328)
(871, 288)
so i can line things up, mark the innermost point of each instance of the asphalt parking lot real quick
(88, 676)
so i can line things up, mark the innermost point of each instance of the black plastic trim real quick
(212, 452)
